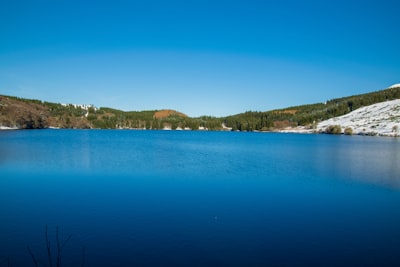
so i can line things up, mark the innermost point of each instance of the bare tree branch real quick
(58, 260)
(58, 248)
(65, 242)
(83, 256)
(48, 248)
(33, 257)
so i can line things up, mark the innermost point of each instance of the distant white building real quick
(82, 106)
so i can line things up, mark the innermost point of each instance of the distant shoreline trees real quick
(35, 114)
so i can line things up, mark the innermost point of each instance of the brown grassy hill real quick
(165, 113)
(21, 114)
(34, 114)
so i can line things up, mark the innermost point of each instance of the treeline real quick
(106, 118)
(30, 114)
(35, 114)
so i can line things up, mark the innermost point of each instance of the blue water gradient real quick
(170, 198)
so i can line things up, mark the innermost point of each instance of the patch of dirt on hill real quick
(33, 114)
(167, 113)
(287, 111)
(14, 113)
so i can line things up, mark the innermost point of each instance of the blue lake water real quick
(177, 198)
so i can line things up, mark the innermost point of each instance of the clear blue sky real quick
(199, 57)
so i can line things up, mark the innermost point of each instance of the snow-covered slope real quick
(396, 85)
(378, 119)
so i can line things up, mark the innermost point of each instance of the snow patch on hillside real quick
(377, 119)
(394, 86)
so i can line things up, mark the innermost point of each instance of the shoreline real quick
(288, 130)
(303, 130)
(6, 128)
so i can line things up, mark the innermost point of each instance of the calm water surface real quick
(170, 198)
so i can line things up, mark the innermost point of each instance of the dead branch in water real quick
(60, 245)
(33, 257)
(83, 256)
(48, 248)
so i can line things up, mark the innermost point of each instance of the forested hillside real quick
(22, 113)
(35, 114)
(307, 115)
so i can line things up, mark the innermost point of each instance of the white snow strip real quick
(377, 119)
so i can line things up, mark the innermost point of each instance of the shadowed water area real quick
(177, 198)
